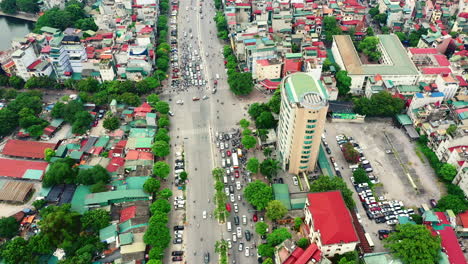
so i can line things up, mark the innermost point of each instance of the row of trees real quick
(455, 199)
(73, 15)
(381, 104)
(220, 198)
(221, 25)
(61, 228)
(14, 6)
(241, 83)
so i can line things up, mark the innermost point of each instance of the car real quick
(170, 113)
(233, 199)
(236, 208)
(228, 153)
(248, 236)
(178, 227)
(195, 98)
(241, 246)
(207, 257)
(180, 102)
(239, 197)
(177, 258)
(229, 243)
(177, 253)
(238, 185)
(236, 220)
(328, 150)
(177, 241)
(295, 181)
(365, 162)
(228, 207)
(234, 237)
(231, 189)
(244, 219)
(178, 232)
(226, 190)
(247, 251)
(338, 173)
(255, 218)
(239, 232)
(332, 159)
(204, 214)
(433, 202)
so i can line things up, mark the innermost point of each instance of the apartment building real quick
(303, 111)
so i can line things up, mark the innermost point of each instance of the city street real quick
(193, 127)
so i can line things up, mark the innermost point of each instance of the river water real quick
(11, 28)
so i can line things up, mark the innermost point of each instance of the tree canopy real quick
(343, 82)
(252, 165)
(447, 172)
(8, 227)
(452, 202)
(94, 175)
(261, 228)
(151, 185)
(276, 210)
(95, 219)
(413, 244)
(160, 149)
(59, 172)
(381, 104)
(111, 123)
(249, 141)
(269, 167)
(325, 183)
(278, 236)
(161, 169)
(350, 153)
(258, 194)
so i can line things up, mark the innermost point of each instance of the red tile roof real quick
(26, 149)
(139, 155)
(294, 256)
(464, 219)
(423, 50)
(292, 66)
(451, 246)
(311, 252)
(436, 70)
(442, 60)
(462, 81)
(127, 213)
(17, 168)
(34, 64)
(115, 164)
(331, 218)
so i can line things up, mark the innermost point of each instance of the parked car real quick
(177, 241)
(295, 181)
(178, 227)
(177, 253)
(248, 236)
(433, 202)
(178, 258)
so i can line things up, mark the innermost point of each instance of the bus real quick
(369, 240)
(235, 161)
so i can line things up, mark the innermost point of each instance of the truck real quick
(235, 161)
(239, 153)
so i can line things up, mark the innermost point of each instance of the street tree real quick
(268, 261)
(217, 173)
(447, 171)
(165, 193)
(452, 202)
(350, 153)
(159, 217)
(161, 169)
(156, 254)
(276, 210)
(8, 227)
(343, 82)
(247, 132)
(256, 109)
(160, 205)
(151, 185)
(162, 135)
(263, 134)
(157, 235)
(59, 172)
(160, 149)
(382, 104)
(93, 175)
(258, 194)
(152, 100)
(244, 123)
(303, 243)
(261, 228)
(267, 151)
(48, 154)
(60, 224)
(360, 176)
(16, 82)
(249, 141)
(164, 122)
(269, 167)
(374, 11)
(95, 220)
(111, 123)
(414, 239)
(278, 236)
(325, 183)
(297, 223)
(266, 250)
(183, 176)
(253, 165)
(265, 120)
(162, 107)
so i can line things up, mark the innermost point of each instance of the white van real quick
(225, 180)
(217, 76)
(223, 163)
(228, 160)
(229, 227)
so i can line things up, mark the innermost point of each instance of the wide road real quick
(194, 124)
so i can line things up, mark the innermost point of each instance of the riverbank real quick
(22, 15)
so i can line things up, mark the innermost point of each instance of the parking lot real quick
(374, 138)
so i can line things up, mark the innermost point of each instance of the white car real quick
(223, 155)
(234, 237)
(229, 243)
(239, 232)
(221, 146)
(295, 181)
(247, 251)
(241, 246)
(171, 113)
(236, 208)
(244, 220)
(177, 235)
(239, 197)
(204, 214)
(178, 232)
(180, 102)
(233, 199)
(238, 185)
(226, 190)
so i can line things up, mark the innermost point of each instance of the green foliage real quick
(343, 82)
(417, 219)
(297, 223)
(266, 250)
(162, 107)
(9, 6)
(60, 224)
(9, 121)
(247, 132)
(350, 153)
(249, 141)
(369, 47)
(268, 261)
(325, 183)
(39, 204)
(48, 154)
(161, 169)
(93, 175)
(380, 18)
(86, 24)
(111, 123)
(151, 185)
(163, 122)
(183, 176)
(370, 32)
(157, 235)
(275, 210)
(152, 100)
(60, 172)
(278, 236)
(452, 202)
(95, 219)
(374, 11)
(165, 193)
(156, 254)
(129, 99)
(16, 251)
(88, 85)
(447, 172)
(269, 167)
(263, 134)
(252, 165)
(360, 176)
(221, 25)
(244, 123)
(258, 194)
(265, 120)
(261, 228)
(303, 243)
(275, 102)
(16, 81)
(98, 187)
(82, 121)
(160, 205)
(160, 149)
(45, 82)
(72, 15)
(8, 227)
(451, 129)
(241, 83)
(414, 244)
(256, 109)
(331, 27)
(382, 104)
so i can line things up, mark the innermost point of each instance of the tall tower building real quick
(302, 119)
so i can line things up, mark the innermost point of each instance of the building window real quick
(308, 137)
(312, 121)
(307, 147)
(304, 161)
(305, 157)
(306, 152)
(303, 167)
(310, 131)
(310, 126)
(308, 142)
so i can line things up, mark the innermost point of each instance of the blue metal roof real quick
(437, 94)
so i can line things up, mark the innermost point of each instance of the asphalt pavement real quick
(193, 127)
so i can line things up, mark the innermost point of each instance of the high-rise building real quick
(302, 119)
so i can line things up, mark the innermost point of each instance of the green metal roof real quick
(33, 174)
(128, 225)
(323, 163)
(61, 151)
(380, 258)
(50, 30)
(76, 76)
(299, 84)
(409, 88)
(73, 146)
(109, 197)
(134, 69)
(151, 115)
(429, 216)
(102, 141)
(144, 142)
(108, 232)
(126, 239)
(56, 122)
(78, 200)
(404, 120)
(293, 55)
(136, 182)
(76, 155)
(142, 132)
(281, 193)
